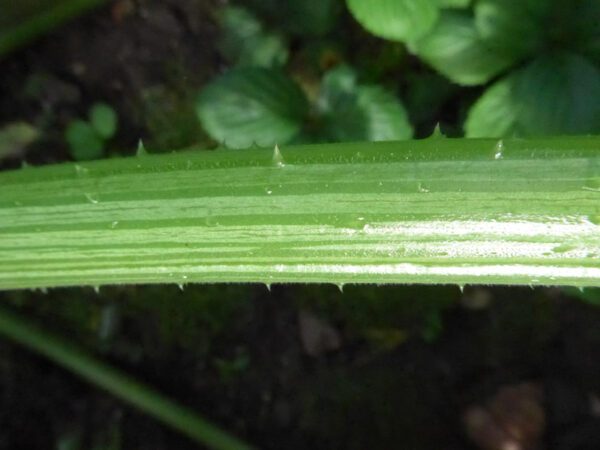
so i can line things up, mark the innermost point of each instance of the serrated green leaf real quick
(400, 20)
(244, 42)
(249, 106)
(455, 49)
(84, 142)
(104, 120)
(512, 27)
(353, 112)
(557, 94)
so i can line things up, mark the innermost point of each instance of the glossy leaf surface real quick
(517, 212)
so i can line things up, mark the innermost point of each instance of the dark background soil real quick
(357, 393)
(298, 367)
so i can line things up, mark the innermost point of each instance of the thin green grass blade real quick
(117, 383)
(50, 14)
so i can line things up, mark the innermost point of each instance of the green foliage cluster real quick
(258, 103)
(87, 139)
(540, 55)
(536, 60)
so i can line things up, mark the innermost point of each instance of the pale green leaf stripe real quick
(430, 211)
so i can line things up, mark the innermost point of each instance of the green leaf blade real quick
(514, 211)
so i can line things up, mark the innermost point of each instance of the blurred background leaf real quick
(402, 20)
(353, 112)
(104, 120)
(555, 94)
(455, 49)
(84, 142)
(244, 42)
(252, 106)
(311, 18)
(513, 28)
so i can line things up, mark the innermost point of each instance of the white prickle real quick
(277, 157)
(141, 150)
